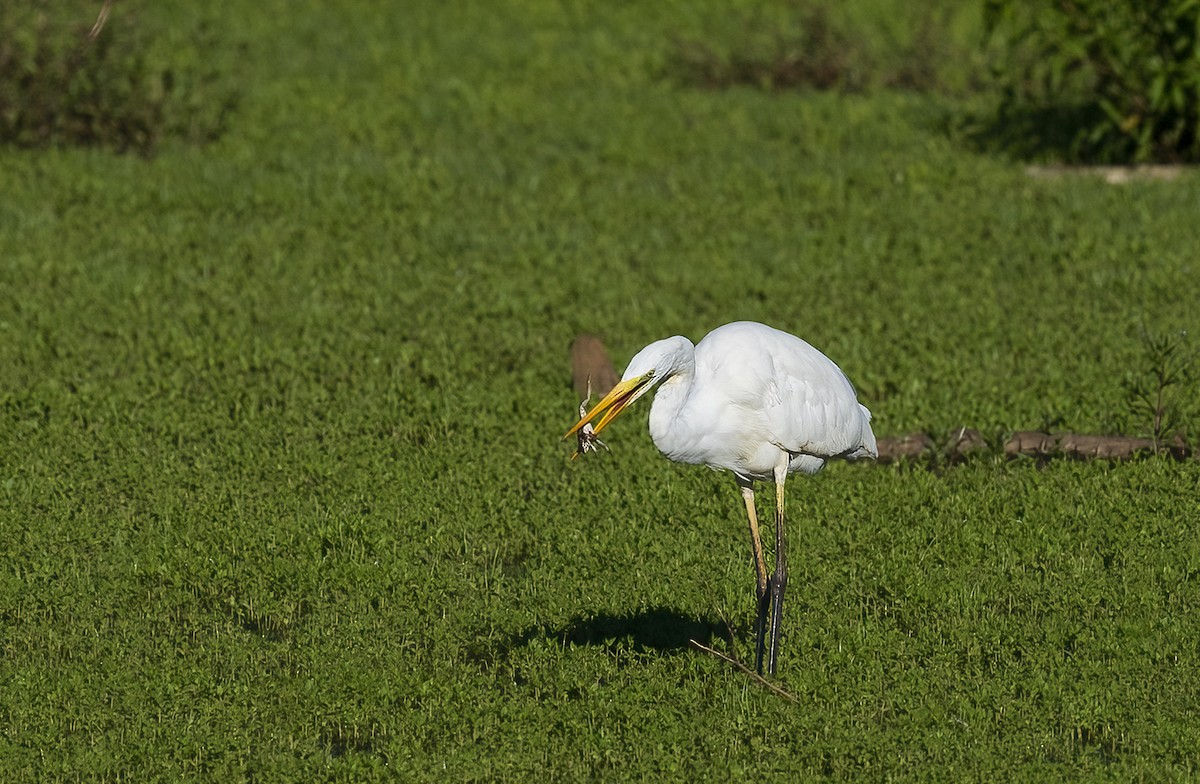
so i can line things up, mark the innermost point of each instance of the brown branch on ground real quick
(737, 665)
(1038, 444)
(909, 447)
(961, 444)
(1029, 443)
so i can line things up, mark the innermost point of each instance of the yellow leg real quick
(760, 565)
(763, 594)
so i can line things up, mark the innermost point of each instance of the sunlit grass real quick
(282, 494)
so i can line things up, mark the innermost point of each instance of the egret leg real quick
(760, 571)
(760, 564)
(760, 629)
(778, 581)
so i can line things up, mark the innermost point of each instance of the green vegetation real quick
(282, 494)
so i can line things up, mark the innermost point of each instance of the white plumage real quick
(748, 395)
(752, 400)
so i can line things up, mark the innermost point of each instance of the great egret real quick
(752, 400)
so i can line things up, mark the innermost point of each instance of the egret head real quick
(655, 363)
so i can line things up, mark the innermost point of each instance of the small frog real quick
(587, 434)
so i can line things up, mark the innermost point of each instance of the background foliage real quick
(1121, 78)
(282, 494)
(141, 77)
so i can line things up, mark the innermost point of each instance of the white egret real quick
(754, 401)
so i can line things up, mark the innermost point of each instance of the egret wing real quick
(806, 404)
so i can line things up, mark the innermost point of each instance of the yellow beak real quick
(616, 401)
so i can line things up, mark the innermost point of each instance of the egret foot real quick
(778, 583)
(760, 627)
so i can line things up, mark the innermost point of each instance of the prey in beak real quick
(611, 406)
(587, 434)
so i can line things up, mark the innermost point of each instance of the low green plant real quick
(74, 73)
(1124, 75)
(1165, 368)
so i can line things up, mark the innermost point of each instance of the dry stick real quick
(743, 668)
(100, 20)
(735, 661)
(1032, 443)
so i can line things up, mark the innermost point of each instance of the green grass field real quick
(282, 491)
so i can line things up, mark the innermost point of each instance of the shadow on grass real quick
(1033, 133)
(656, 629)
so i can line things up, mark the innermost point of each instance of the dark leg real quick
(778, 581)
(760, 629)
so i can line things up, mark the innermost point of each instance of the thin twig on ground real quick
(737, 665)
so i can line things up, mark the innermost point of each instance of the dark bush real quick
(816, 46)
(1124, 73)
(68, 79)
(817, 55)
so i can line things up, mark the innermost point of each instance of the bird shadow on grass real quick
(659, 629)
